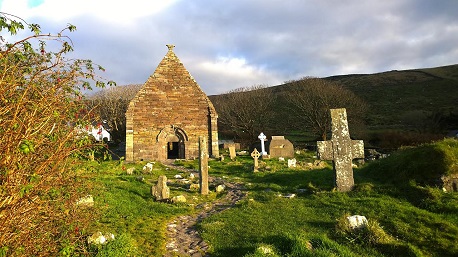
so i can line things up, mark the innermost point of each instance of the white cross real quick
(262, 137)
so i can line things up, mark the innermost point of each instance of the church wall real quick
(170, 97)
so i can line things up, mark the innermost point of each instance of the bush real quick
(41, 104)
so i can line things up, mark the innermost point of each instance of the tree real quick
(111, 105)
(41, 108)
(245, 111)
(310, 99)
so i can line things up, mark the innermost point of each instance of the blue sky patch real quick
(34, 3)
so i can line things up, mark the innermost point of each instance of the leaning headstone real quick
(341, 149)
(203, 166)
(292, 163)
(232, 153)
(255, 154)
(161, 191)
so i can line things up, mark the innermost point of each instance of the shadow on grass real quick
(288, 181)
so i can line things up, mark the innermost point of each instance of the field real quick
(404, 217)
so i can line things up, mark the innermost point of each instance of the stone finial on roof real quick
(170, 47)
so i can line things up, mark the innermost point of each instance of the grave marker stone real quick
(232, 153)
(262, 137)
(255, 154)
(281, 147)
(341, 149)
(203, 166)
(161, 191)
(292, 163)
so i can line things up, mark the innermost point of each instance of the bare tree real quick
(245, 111)
(111, 105)
(310, 99)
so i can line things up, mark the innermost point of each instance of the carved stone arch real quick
(172, 140)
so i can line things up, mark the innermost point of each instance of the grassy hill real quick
(406, 107)
(396, 96)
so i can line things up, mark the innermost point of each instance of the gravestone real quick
(161, 191)
(203, 166)
(292, 163)
(262, 137)
(341, 149)
(281, 147)
(255, 154)
(232, 153)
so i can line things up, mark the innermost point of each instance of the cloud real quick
(229, 44)
(234, 71)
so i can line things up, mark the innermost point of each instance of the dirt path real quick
(182, 237)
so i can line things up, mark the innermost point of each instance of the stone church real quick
(169, 114)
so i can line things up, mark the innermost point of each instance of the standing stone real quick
(341, 150)
(161, 191)
(262, 137)
(203, 166)
(232, 151)
(255, 154)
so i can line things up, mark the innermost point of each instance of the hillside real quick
(397, 97)
(405, 107)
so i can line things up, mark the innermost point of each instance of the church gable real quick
(170, 110)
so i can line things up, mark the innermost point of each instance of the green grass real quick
(410, 221)
(405, 219)
(128, 210)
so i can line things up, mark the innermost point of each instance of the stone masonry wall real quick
(170, 105)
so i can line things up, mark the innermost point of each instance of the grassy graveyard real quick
(287, 211)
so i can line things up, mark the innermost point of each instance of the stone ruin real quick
(169, 114)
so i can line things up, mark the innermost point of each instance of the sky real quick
(229, 44)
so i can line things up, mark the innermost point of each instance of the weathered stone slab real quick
(161, 191)
(341, 149)
(281, 147)
(203, 166)
(232, 153)
(292, 163)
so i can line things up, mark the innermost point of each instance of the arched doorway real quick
(173, 140)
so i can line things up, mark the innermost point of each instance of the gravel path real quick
(182, 237)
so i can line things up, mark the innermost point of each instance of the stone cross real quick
(232, 151)
(203, 166)
(262, 137)
(255, 154)
(161, 191)
(341, 149)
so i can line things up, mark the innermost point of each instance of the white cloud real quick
(226, 73)
(227, 44)
(116, 12)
